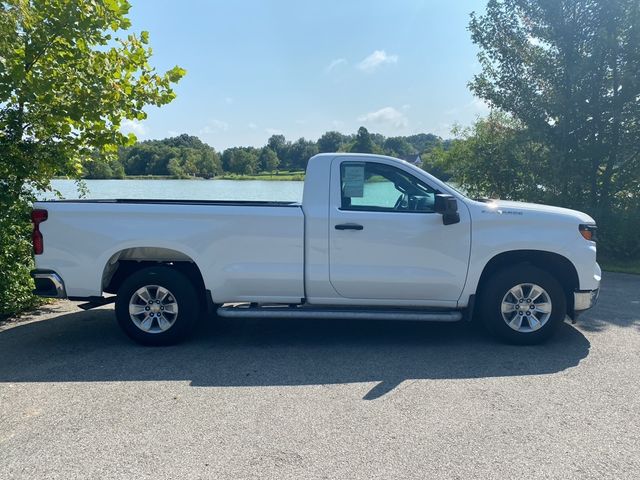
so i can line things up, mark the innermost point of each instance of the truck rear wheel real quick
(523, 305)
(157, 306)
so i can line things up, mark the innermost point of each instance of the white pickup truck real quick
(374, 238)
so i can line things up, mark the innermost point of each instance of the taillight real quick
(588, 231)
(37, 217)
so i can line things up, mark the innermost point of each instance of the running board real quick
(245, 311)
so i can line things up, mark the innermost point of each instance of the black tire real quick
(497, 287)
(181, 292)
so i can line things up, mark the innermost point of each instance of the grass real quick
(620, 266)
(282, 175)
(296, 175)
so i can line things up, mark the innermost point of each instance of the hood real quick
(506, 205)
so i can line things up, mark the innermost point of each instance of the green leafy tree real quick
(424, 142)
(175, 168)
(568, 70)
(269, 161)
(363, 142)
(496, 158)
(279, 144)
(67, 80)
(331, 142)
(438, 163)
(208, 163)
(99, 166)
(398, 146)
(243, 161)
(300, 152)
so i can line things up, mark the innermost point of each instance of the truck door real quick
(385, 240)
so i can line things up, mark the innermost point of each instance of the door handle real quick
(349, 226)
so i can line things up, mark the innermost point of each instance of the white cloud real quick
(228, 100)
(376, 59)
(133, 126)
(173, 133)
(214, 126)
(388, 116)
(335, 63)
(273, 131)
(252, 126)
(337, 123)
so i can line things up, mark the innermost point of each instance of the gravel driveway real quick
(312, 399)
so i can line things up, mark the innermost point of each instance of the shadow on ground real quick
(88, 347)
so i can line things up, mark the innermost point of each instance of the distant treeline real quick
(187, 156)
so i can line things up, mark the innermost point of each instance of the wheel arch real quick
(127, 261)
(557, 265)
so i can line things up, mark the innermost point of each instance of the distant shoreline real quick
(295, 176)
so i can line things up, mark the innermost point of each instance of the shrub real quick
(15, 260)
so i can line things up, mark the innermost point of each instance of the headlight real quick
(588, 231)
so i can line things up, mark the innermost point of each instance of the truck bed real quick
(242, 248)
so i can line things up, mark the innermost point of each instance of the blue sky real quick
(255, 68)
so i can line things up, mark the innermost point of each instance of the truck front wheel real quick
(523, 304)
(157, 306)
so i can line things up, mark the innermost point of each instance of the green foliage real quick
(269, 161)
(496, 159)
(363, 142)
(15, 260)
(279, 144)
(438, 163)
(568, 71)
(182, 157)
(331, 142)
(100, 166)
(187, 156)
(399, 147)
(240, 160)
(425, 142)
(66, 83)
(300, 152)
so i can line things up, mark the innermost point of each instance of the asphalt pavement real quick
(279, 399)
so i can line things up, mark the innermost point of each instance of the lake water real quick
(289, 191)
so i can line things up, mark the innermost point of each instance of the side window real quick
(379, 187)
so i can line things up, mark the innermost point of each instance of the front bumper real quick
(585, 299)
(48, 284)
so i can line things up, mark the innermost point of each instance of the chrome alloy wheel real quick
(526, 307)
(153, 309)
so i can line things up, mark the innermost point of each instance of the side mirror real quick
(447, 206)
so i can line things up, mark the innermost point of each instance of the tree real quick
(67, 80)
(363, 142)
(398, 146)
(424, 142)
(331, 142)
(208, 163)
(495, 158)
(243, 161)
(175, 168)
(269, 161)
(568, 70)
(99, 166)
(300, 152)
(279, 144)
(152, 157)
